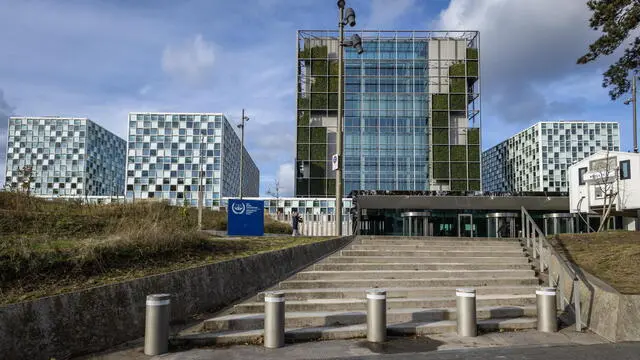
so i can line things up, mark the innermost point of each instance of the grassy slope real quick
(613, 257)
(52, 247)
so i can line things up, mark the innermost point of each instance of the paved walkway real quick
(523, 345)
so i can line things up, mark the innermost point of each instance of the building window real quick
(599, 193)
(625, 170)
(581, 172)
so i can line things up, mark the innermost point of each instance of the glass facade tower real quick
(169, 154)
(70, 156)
(411, 112)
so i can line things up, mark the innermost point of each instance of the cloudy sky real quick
(104, 58)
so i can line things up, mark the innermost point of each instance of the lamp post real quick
(346, 17)
(241, 126)
(632, 100)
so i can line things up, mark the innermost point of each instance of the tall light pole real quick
(241, 126)
(635, 121)
(345, 17)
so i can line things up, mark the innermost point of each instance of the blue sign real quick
(245, 217)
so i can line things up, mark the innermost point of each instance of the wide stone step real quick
(445, 239)
(413, 274)
(397, 293)
(426, 260)
(418, 266)
(361, 303)
(405, 247)
(340, 318)
(386, 283)
(422, 253)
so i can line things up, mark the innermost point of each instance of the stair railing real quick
(537, 242)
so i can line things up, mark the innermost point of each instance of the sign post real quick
(245, 217)
(335, 162)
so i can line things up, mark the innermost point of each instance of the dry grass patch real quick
(614, 257)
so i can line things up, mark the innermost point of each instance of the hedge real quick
(440, 119)
(439, 102)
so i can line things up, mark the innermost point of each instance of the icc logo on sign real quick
(238, 208)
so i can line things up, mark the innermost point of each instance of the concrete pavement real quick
(530, 344)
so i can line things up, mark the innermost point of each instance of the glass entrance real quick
(465, 225)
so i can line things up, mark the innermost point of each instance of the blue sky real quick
(104, 58)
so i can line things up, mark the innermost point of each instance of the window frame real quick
(581, 172)
(628, 164)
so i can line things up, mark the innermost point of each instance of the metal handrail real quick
(564, 263)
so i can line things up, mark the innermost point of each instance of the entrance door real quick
(465, 225)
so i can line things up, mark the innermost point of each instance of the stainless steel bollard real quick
(466, 312)
(274, 319)
(546, 306)
(156, 331)
(376, 315)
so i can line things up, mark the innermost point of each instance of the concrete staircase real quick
(327, 300)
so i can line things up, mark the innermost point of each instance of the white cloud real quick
(384, 13)
(191, 61)
(285, 177)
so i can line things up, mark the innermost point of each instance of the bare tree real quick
(606, 175)
(275, 192)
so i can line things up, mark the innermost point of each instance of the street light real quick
(241, 127)
(345, 17)
(632, 100)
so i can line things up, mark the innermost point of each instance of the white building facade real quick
(169, 154)
(607, 178)
(538, 158)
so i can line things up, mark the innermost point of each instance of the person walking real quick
(295, 222)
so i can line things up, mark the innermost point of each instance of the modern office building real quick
(411, 114)
(538, 158)
(69, 156)
(169, 154)
(3, 153)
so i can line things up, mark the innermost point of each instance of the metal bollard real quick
(274, 319)
(376, 315)
(466, 309)
(546, 306)
(156, 331)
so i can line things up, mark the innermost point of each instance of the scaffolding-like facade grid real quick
(411, 111)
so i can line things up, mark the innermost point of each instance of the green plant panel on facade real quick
(319, 52)
(474, 185)
(319, 101)
(473, 136)
(472, 53)
(318, 187)
(439, 102)
(440, 153)
(319, 84)
(440, 136)
(458, 102)
(319, 67)
(440, 119)
(318, 169)
(303, 135)
(333, 102)
(458, 170)
(333, 84)
(318, 151)
(302, 186)
(459, 185)
(331, 187)
(457, 85)
(441, 170)
(472, 68)
(474, 170)
(319, 135)
(458, 153)
(303, 118)
(302, 152)
(474, 152)
(303, 102)
(456, 69)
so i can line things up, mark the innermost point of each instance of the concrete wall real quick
(96, 319)
(612, 315)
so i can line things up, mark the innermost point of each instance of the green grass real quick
(611, 256)
(49, 247)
